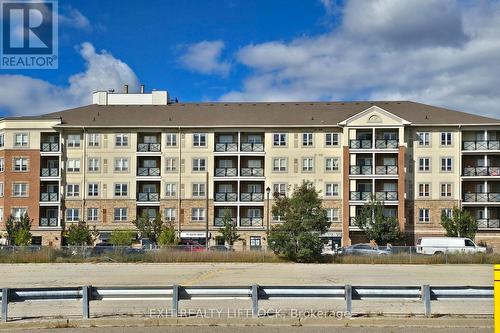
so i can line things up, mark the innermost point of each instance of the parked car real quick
(219, 248)
(366, 249)
(441, 245)
(192, 247)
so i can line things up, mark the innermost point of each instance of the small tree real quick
(18, 232)
(460, 224)
(228, 230)
(149, 227)
(298, 237)
(167, 235)
(79, 234)
(122, 237)
(376, 226)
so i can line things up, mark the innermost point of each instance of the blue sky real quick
(439, 52)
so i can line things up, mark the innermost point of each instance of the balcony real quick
(482, 197)
(226, 197)
(148, 172)
(386, 144)
(488, 223)
(226, 147)
(386, 196)
(360, 170)
(219, 221)
(252, 147)
(251, 222)
(252, 172)
(481, 171)
(481, 145)
(49, 172)
(49, 197)
(148, 147)
(360, 144)
(48, 222)
(49, 147)
(148, 197)
(226, 172)
(386, 169)
(252, 197)
(359, 196)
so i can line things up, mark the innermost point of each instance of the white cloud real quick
(205, 58)
(23, 95)
(329, 6)
(432, 51)
(74, 18)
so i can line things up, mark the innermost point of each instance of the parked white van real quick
(441, 245)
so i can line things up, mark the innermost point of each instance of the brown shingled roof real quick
(256, 114)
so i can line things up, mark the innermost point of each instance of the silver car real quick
(366, 249)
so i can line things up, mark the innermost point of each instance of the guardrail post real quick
(86, 297)
(5, 303)
(426, 299)
(348, 298)
(255, 300)
(175, 300)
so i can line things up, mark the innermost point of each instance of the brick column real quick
(346, 239)
(401, 187)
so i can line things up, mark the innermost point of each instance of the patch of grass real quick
(405, 258)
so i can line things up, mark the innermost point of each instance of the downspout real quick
(179, 200)
(84, 174)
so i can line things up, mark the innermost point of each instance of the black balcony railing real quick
(252, 172)
(49, 147)
(148, 197)
(386, 169)
(360, 144)
(226, 197)
(359, 196)
(226, 172)
(49, 197)
(246, 197)
(48, 222)
(482, 197)
(148, 147)
(488, 223)
(481, 145)
(226, 147)
(386, 196)
(219, 221)
(360, 170)
(49, 172)
(481, 171)
(148, 172)
(386, 144)
(251, 221)
(252, 147)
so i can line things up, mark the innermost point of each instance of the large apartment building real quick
(127, 155)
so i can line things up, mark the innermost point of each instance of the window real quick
(20, 164)
(171, 140)
(1, 214)
(170, 189)
(332, 164)
(199, 140)
(92, 214)
(255, 242)
(424, 190)
(307, 164)
(21, 139)
(73, 141)
(121, 190)
(446, 164)
(199, 164)
(2, 165)
(171, 164)
(72, 215)
(446, 190)
(447, 212)
(121, 164)
(424, 215)
(279, 189)
(94, 164)
(121, 140)
(73, 165)
(94, 139)
(1, 190)
(93, 190)
(279, 164)
(424, 138)
(331, 139)
(2, 140)
(73, 190)
(332, 215)
(198, 190)
(279, 139)
(307, 139)
(17, 213)
(424, 164)
(198, 214)
(120, 214)
(20, 190)
(331, 190)
(445, 138)
(169, 214)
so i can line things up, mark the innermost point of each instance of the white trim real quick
(374, 108)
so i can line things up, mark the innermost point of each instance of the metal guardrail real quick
(254, 292)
